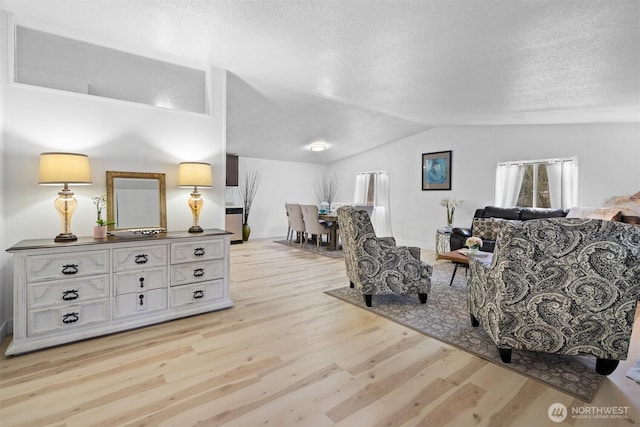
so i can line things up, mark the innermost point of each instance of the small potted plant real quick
(100, 230)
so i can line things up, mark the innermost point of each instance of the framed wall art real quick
(436, 170)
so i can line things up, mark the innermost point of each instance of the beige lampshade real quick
(64, 168)
(194, 174)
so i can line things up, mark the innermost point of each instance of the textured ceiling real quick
(359, 74)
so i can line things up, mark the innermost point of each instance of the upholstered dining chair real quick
(296, 222)
(312, 224)
(375, 265)
(560, 285)
(288, 222)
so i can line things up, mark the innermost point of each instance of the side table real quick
(443, 236)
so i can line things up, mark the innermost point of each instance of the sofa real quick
(488, 221)
(560, 285)
(375, 265)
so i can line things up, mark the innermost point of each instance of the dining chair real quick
(286, 209)
(312, 224)
(296, 221)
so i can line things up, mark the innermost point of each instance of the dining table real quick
(332, 218)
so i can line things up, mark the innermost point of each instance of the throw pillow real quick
(485, 228)
(595, 213)
(488, 228)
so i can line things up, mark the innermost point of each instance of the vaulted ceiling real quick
(360, 74)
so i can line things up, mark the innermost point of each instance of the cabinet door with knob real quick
(139, 303)
(140, 291)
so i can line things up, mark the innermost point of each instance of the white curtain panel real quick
(508, 183)
(381, 213)
(360, 191)
(563, 184)
(381, 216)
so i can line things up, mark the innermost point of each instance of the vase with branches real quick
(248, 188)
(326, 188)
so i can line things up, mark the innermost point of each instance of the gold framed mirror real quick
(136, 201)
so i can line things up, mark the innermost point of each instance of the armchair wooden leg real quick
(474, 322)
(606, 366)
(423, 298)
(505, 355)
(368, 300)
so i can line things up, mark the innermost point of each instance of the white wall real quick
(608, 155)
(280, 183)
(5, 302)
(117, 136)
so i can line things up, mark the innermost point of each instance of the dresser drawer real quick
(182, 274)
(139, 281)
(200, 293)
(139, 257)
(67, 292)
(140, 302)
(197, 251)
(56, 320)
(68, 265)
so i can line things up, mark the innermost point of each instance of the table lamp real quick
(195, 174)
(65, 169)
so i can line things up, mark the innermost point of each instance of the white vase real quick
(100, 232)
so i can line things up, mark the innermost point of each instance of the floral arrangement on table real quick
(451, 205)
(473, 243)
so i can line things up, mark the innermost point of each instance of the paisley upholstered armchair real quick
(560, 285)
(376, 265)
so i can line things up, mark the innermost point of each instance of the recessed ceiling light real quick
(318, 146)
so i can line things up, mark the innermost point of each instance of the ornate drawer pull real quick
(198, 251)
(198, 294)
(141, 298)
(142, 259)
(70, 318)
(70, 269)
(70, 295)
(141, 282)
(198, 272)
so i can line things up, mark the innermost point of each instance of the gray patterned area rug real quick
(312, 247)
(445, 317)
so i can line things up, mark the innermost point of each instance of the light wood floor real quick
(285, 354)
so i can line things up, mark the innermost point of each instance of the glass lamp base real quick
(196, 229)
(65, 237)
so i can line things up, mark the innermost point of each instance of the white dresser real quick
(65, 292)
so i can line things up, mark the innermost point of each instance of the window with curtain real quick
(372, 189)
(548, 183)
